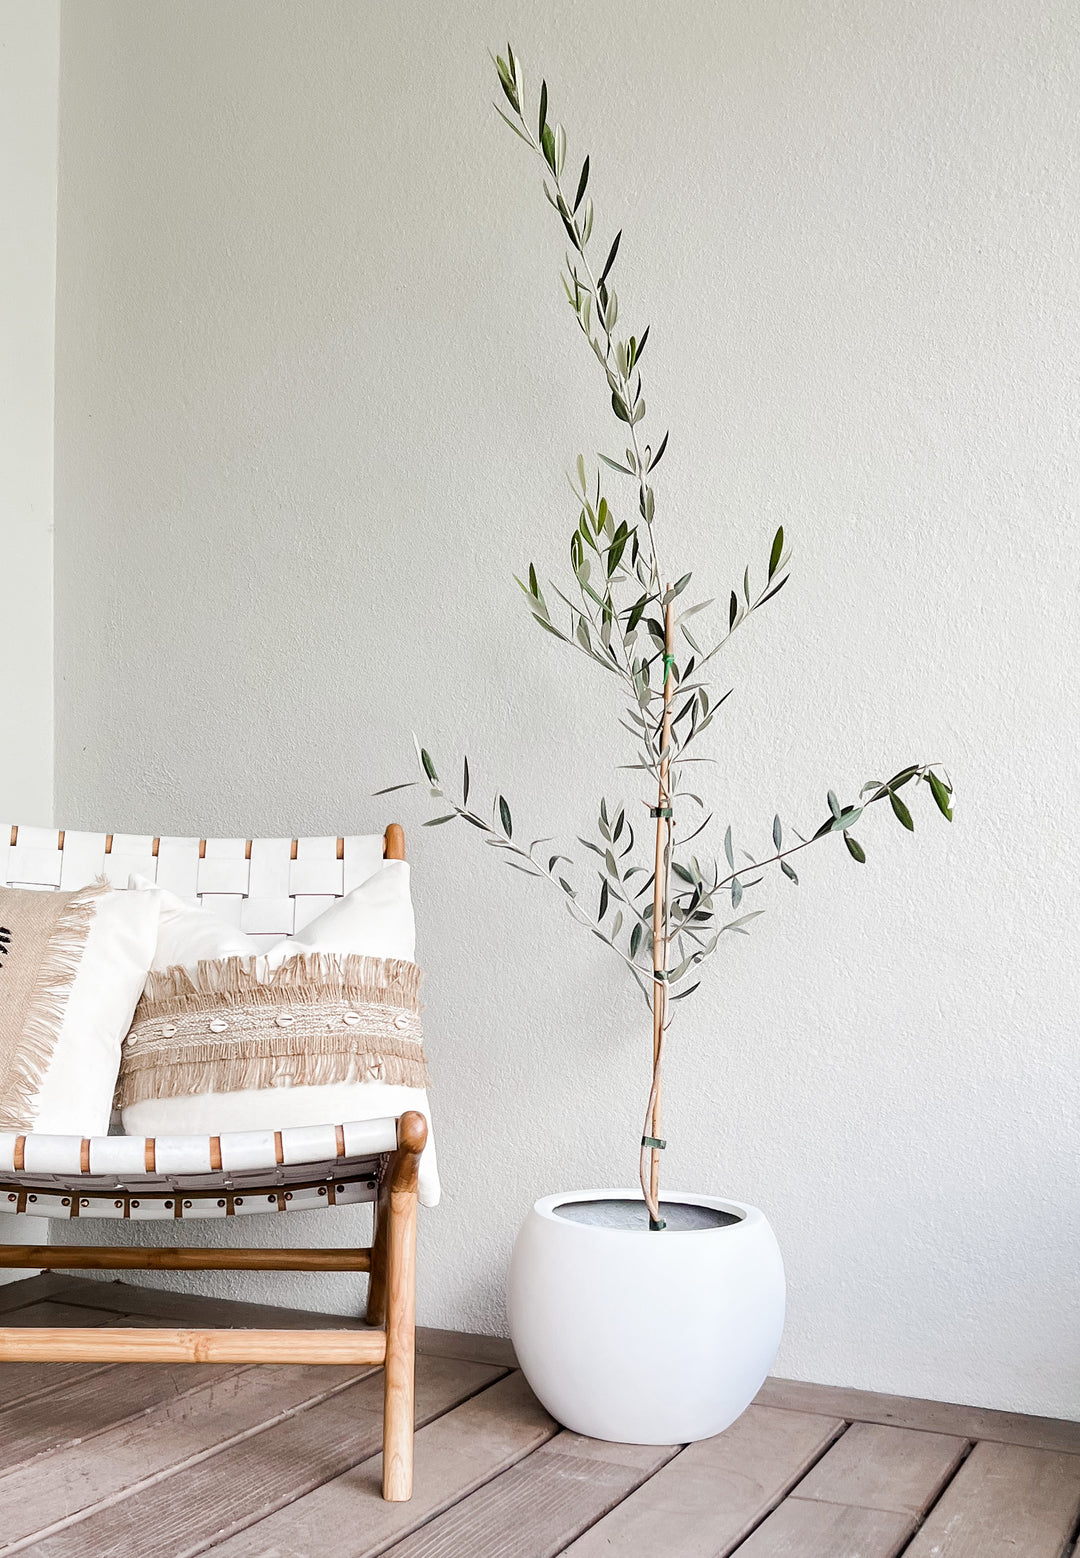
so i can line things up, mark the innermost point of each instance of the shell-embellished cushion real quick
(234, 1023)
(324, 1027)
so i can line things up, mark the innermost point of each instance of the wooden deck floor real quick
(154, 1461)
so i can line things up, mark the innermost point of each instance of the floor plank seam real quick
(61, 1384)
(91, 1373)
(433, 1514)
(921, 1519)
(94, 1293)
(194, 1459)
(1072, 1546)
(221, 1537)
(954, 1419)
(786, 1493)
(604, 1513)
(461, 1496)
(230, 1372)
(587, 1525)
(43, 1288)
(11, 1402)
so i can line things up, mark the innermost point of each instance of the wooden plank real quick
(902, 1469)
(75, 1410)
(166, 1426)
(132, 1299)
(157, 1344)
(802, 1529)
(1005, 1500)
(454, 1455)
(52, 1312)
(21, 1382)
(196, 1505)
(196, 1309)
(29, 1290)
(534, 1509)
(705, 1501)
(939, 1417)
(466, 1344)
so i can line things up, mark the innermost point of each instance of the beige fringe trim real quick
(234, 1025)
(248, 980)
(33, 1047)
(236, 1074)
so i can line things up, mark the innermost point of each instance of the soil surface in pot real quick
(632, 1217)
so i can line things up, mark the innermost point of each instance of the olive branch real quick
(663, 913)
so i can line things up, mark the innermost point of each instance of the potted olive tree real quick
(637, 1317)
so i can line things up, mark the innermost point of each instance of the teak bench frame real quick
(391, 1304)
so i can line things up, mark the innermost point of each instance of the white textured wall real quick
(29, 65)
(317, 389)
(29, 59)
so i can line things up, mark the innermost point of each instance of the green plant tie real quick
(653, 1141)
(659, 811)
(669, 665)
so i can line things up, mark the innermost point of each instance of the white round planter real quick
(641, 1337)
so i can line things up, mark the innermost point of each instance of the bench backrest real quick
(270, 888)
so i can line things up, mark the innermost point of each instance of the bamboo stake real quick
(660, 940)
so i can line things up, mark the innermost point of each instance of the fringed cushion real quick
(234, 1024)
(72, 965)
(326, 1027)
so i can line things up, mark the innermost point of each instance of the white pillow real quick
(72, 971)
(186, 934)
(374, 920)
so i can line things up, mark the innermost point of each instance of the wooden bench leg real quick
(376, 1293)
(399, 1400)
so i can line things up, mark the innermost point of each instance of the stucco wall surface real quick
(29, 64)
(29, 71)
(317, 393)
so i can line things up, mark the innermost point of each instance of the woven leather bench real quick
(190, 1178)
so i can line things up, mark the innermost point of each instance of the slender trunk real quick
(650, 1155)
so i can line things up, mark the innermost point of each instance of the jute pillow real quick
(72, 967)
(324, 1028)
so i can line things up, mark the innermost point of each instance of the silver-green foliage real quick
(614, 616)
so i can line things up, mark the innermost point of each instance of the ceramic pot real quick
(645, 1337)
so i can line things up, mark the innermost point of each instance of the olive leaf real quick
(900, 811)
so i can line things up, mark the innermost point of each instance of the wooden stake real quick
(660, 894)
